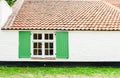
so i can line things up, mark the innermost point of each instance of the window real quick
(48, 48)
(43, 44)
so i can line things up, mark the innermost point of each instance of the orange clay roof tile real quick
(65, 15)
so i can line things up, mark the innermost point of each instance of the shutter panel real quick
(62, 50)
(24, 44)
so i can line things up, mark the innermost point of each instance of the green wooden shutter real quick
(62, 50)
(24, 44)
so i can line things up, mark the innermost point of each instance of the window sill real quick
(46, 58)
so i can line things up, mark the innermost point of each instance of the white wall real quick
(8, 39)
(8, 45)
(83, 46)
(94, 45)
(5, 12)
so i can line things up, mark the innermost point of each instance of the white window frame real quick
(43, 41)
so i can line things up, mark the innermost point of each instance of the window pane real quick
(51, 52)
(39, 45)
(46, 45)
(39, 36)
(51, 45)
(51, 36)
(35, 36)
(46, 52)
(35, 45)
(46, 36)
(35, 52)
(39, 52)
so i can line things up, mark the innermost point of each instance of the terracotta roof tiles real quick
(114, 2)
(66, 15)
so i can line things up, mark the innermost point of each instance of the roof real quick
(65, 15)
(114, 2)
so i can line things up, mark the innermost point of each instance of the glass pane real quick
(51, 52)
(35, 52)
(46, 45)
(51, 36)
(46, 36)
(51, 45)
(35, 36)
(39, 36)
(39, 45)
(35, 45)
(46, 52)
(39, 52)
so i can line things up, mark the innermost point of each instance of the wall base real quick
(59, 64)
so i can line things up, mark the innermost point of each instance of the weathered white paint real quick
(8, 45)
(94, 45)
(5, 12)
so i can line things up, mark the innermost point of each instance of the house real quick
(46, 30)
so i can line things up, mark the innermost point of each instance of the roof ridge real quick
(111, 5)
(62, 0)
(16, 7)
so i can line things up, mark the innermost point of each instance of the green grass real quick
(40, 72)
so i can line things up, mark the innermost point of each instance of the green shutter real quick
(24, 44)
(62, 50)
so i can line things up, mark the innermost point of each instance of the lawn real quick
(59, 72)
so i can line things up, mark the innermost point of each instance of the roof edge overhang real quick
(61, 29)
